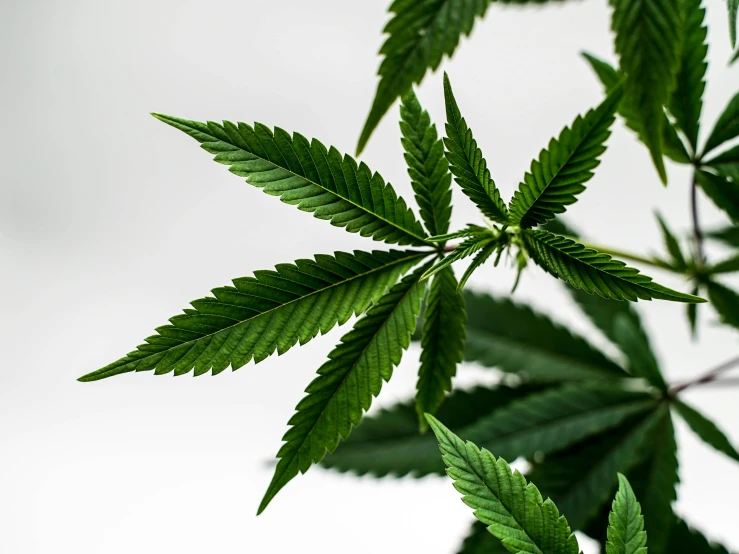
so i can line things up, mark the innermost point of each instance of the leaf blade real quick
(706, 430)
(726, 127)
(626, 533)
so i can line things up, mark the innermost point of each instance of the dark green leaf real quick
(706, 430)
(641, 359)
(692, 313)
(481, 541)
(727, 157)
(726, 127)
(727, 235)
(728, 265)
(724, 192)
(272, 311)
(726, 302)
(626, 533)
(733, 10)
(685, 540)
(348, 381)
(480, 241)
(672, 244)
(305, 174)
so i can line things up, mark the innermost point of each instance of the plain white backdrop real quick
(110, 222)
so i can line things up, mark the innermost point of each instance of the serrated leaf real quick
(626, 533)
(671, 244)
(481, 541)
(726, 127)
(593, 272)
(686, 102)
(516, 339)
(727, 157)
(513, 509)
(420, 35)
(648, 43)
(685, 540)
(309, 176)
(474, 243)
(389, 443)
(554, 419)
(706, 430)
(562, 169)
(722, 191)
(348, 381)
(467, 163)
(427, 166)
(725, 301)
(442, 344)
(272, 311)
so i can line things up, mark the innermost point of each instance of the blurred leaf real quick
(481, 541)
(722, 191)
(728, 265)
(685, 540)
(727, 235)
(706, 430)
(726, 127)
(641, 359)
(726, 302)
(727, 157)
(672, 244)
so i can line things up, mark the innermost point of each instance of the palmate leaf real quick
(388, 442)
(706, 430)
(722, 191)
(481, 541)
(348, 381)
(672, 146)
(513, 509)
(648, 42)
(272, 311)
(725, 301)
(593, 272)
(726, 127)
(427, 166)
(442, 344)
(626, 533)
(515, 339)
(563, 168)
(467, 163)
(308, 175)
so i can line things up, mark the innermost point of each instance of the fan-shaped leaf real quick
(513, 509)
(726, 302)
(706, 430)
(467, 163)
(726, 127)
(648, 42)
(481, 541)
(274, 310)
(563, 168)
(593, 272)
(348, 381)
(722, 191)
(306, 174)
(516, 339)
(626, 533)
(442, 343)
(427, 166)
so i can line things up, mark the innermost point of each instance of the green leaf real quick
(692, 313)
(685, 540)
(686, 102)
(582, 479)
(728, 157)
(593, 272)
(467, 163)
(733, 6)
(516, 339)
(481, 541)
(442, 343)
(513, 509)
(348, 381)
(306, 174)
(626, 533)
(420, 35)
(672, 146)
(482, 240)
(389, 442)
(556, 418)
(727, 235)
(272, 311)
(726, 127)
(427, 166)
(726, 302)
(641, 359)
(706, 430)
(722, 191)
(563, 168)
(729, 265)
(648, 43)
(672, 244)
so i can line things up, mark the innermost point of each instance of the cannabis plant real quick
(588, 423)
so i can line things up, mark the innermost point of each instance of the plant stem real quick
(697, 232)
(708, 377)
(619, 254)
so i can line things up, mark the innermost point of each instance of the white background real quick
(110, 222)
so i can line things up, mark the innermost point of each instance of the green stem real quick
(621, 255)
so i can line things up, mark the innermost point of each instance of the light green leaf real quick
(348, 381)
(593, 272)
(726, 127)
(706, 430)
(427, 166)
(515, 339)
(648, 42)
(563, 168)
(442, 344)
(272, 311)
(467, 163)
(672, 244)
(305, 174)
(722, 191)
(513, 509)
(481, 541)
(726, 302)
(626, 533)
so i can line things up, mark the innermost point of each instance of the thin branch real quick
(708, 377)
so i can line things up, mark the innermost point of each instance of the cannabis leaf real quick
(481, 541)
(420, 35)
(727, 157)
(723, 191)
(348, 381)
(272, 311)
(648, 42)
(562, 170)
(306, 174)
(728, 265)
(479, 239)
(442, 343)
(642, 362)
(725, 301)
(727, 235)
(672, 245)
(726, 127)
(733, 10)
(516, 339)
(594, 272)
(513, 509)
(685, 539)
(706, 429)
(467, 163)
(626, 533)
(427, 166)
